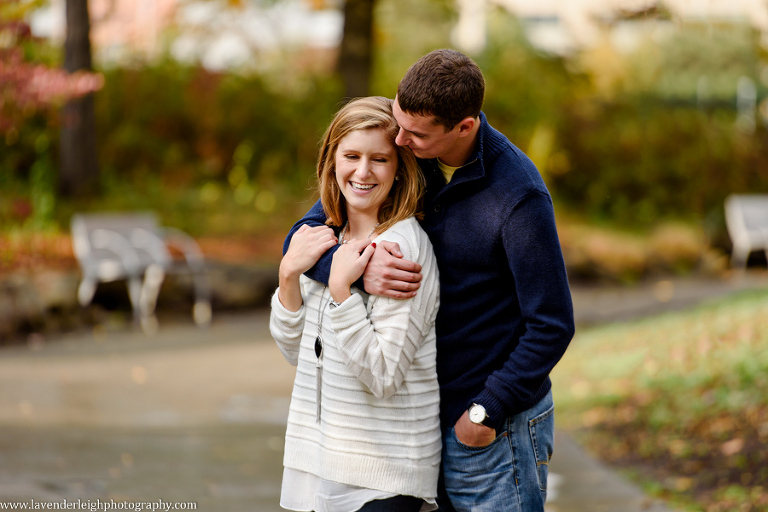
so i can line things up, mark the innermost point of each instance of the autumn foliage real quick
(27, 87)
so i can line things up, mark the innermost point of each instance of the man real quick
(506, 316)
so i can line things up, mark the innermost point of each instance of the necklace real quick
(319, 349)
(320, 316)
(319, 339)
(344, 230)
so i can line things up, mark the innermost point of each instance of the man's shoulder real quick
(498, 147)
(508, 166)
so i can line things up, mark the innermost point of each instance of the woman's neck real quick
(360, 226)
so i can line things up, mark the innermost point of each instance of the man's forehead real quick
(413, 122)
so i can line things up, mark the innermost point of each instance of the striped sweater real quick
(378, 422)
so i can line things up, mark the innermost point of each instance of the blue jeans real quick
(509, 475)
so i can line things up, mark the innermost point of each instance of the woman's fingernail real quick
(373, 244)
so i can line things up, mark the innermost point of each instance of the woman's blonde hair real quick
(370, 113)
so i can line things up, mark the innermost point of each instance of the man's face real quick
(426, 138)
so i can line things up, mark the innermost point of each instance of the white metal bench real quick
(746, 217)
(133, 247)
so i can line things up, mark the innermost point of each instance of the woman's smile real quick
(362, 186)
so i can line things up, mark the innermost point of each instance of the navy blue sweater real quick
(506, 316)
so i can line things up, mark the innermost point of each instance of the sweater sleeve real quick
(322, 269)
(286, 327)
(535, 259)
(379, 343)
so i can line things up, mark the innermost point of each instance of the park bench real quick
(746, 217)
(135, 248)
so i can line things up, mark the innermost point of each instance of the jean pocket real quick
(542, 431)
(475, 449)
(484, 473)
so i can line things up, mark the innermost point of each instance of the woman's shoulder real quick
(407, 228)
(413, 240)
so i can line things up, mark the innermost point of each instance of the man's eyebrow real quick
(417, 134)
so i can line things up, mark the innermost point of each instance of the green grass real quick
(680, 399)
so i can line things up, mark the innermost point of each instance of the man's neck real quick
(463, 148)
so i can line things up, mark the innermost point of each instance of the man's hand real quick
(389, 275)
(472, 434)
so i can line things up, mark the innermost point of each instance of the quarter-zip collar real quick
(472, 170)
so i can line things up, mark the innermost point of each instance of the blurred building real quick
(562, 27)
(218, 33)
(118, 27)
(248, 33)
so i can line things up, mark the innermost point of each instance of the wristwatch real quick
(333, 304)
(478, 415)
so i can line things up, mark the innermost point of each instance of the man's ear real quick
(466, 126)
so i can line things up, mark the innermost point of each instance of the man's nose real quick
(401, 139)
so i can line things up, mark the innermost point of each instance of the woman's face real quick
(366, 163)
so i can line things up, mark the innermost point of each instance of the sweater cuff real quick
(494, 408)
(343, 316)
(284, 314)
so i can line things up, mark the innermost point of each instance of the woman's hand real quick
(306, 247)
(348, 265)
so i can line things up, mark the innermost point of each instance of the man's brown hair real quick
(371, 113)
(444, 83)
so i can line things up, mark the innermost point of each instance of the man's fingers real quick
(406, 276)
(394, 294)
(392, 248)
(401, 286)
(409, 267)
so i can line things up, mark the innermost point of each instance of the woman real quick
(363, 430)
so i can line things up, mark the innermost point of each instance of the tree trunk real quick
(79, 165)
(356, 54)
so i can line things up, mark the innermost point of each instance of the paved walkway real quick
(196, 415)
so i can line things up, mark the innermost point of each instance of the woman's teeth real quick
(360, 186)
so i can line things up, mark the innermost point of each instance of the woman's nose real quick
(363, 167)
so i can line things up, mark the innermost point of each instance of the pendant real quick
(318, 347)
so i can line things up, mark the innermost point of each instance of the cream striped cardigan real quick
(379, 409)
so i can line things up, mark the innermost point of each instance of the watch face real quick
(476, 414)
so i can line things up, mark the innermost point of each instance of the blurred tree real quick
(25, 86)
(356, 52)
(79, 166)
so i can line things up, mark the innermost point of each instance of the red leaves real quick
(27, 87)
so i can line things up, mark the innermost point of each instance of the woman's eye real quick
(351, 157)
